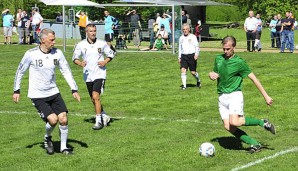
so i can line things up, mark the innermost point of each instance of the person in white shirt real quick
(188, 55)
(258, 44)
(36, 24)
(19, 17)
(43, 91)
(163, 32)
(250, 27)
(92, 51)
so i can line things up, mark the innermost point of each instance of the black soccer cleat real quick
(199, 84)
(48, 145)
(67, 151)
(255, 148)
(269, 126)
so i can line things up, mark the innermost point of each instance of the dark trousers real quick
(278, 42)
(83, 33)
(250, 38)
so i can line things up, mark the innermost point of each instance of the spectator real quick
(159, 43)
(19, 16)
(198, 30)
(59, 17)
(24, 28)
(250, 27)
(157, 22)
(286, 32)
(36, 24)
(273, 32)
(189, 23)
(163, 33)
(183, 16)
(278, 29)
(258, 44)
(83, 21)
(135, 27)
(166, 22)
(151, 23)
(7, 25)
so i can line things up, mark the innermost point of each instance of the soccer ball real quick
(207, 149)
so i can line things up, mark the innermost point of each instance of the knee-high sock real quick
(253, 122)
(183, 78)
(49, 130)
(244, 137)
(63, 136)
(197, 77)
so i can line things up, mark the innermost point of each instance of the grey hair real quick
(186, 25)
(45, 32)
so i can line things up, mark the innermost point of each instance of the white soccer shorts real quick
(231, 103)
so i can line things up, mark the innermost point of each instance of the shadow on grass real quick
(92, 120)
(230, 143)
(57, 145)
(233, 143)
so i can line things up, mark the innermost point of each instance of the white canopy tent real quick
(64, 3)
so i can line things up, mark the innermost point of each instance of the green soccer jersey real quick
(231, 73)
(159, 43)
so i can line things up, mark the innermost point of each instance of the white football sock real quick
(49, 130)
(197, 77)
(63, 136)
(97, 119)
(183, 78)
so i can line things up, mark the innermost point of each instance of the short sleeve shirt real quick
(134, 19)
(231, 73)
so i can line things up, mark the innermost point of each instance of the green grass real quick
(143, 94)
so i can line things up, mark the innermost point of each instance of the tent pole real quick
(64, 34)
(173, 29)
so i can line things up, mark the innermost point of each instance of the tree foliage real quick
(267, 8)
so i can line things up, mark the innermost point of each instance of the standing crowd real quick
(281, 32)
(28, 27)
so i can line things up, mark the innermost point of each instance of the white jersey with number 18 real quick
(42, 78)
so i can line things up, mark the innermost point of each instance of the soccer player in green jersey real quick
(229, 71)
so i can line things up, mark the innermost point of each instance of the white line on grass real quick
(129, 118)
(294, 149)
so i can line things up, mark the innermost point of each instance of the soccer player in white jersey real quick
(43, 91)
(188, 55)
(94, 62)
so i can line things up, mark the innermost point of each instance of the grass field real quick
(156, 125)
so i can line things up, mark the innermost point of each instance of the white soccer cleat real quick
(106, 119)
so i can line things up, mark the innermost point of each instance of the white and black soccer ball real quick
(207, 149)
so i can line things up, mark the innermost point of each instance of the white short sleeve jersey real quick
(251, 23)
(92, 54)
(42, 78)
(188, 45)
(36, 18)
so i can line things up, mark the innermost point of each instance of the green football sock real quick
(253, 121)
(244, 137)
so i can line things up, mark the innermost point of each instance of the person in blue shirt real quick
(7, 26)
(165, 20)
(110, 25)
(273, 31)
